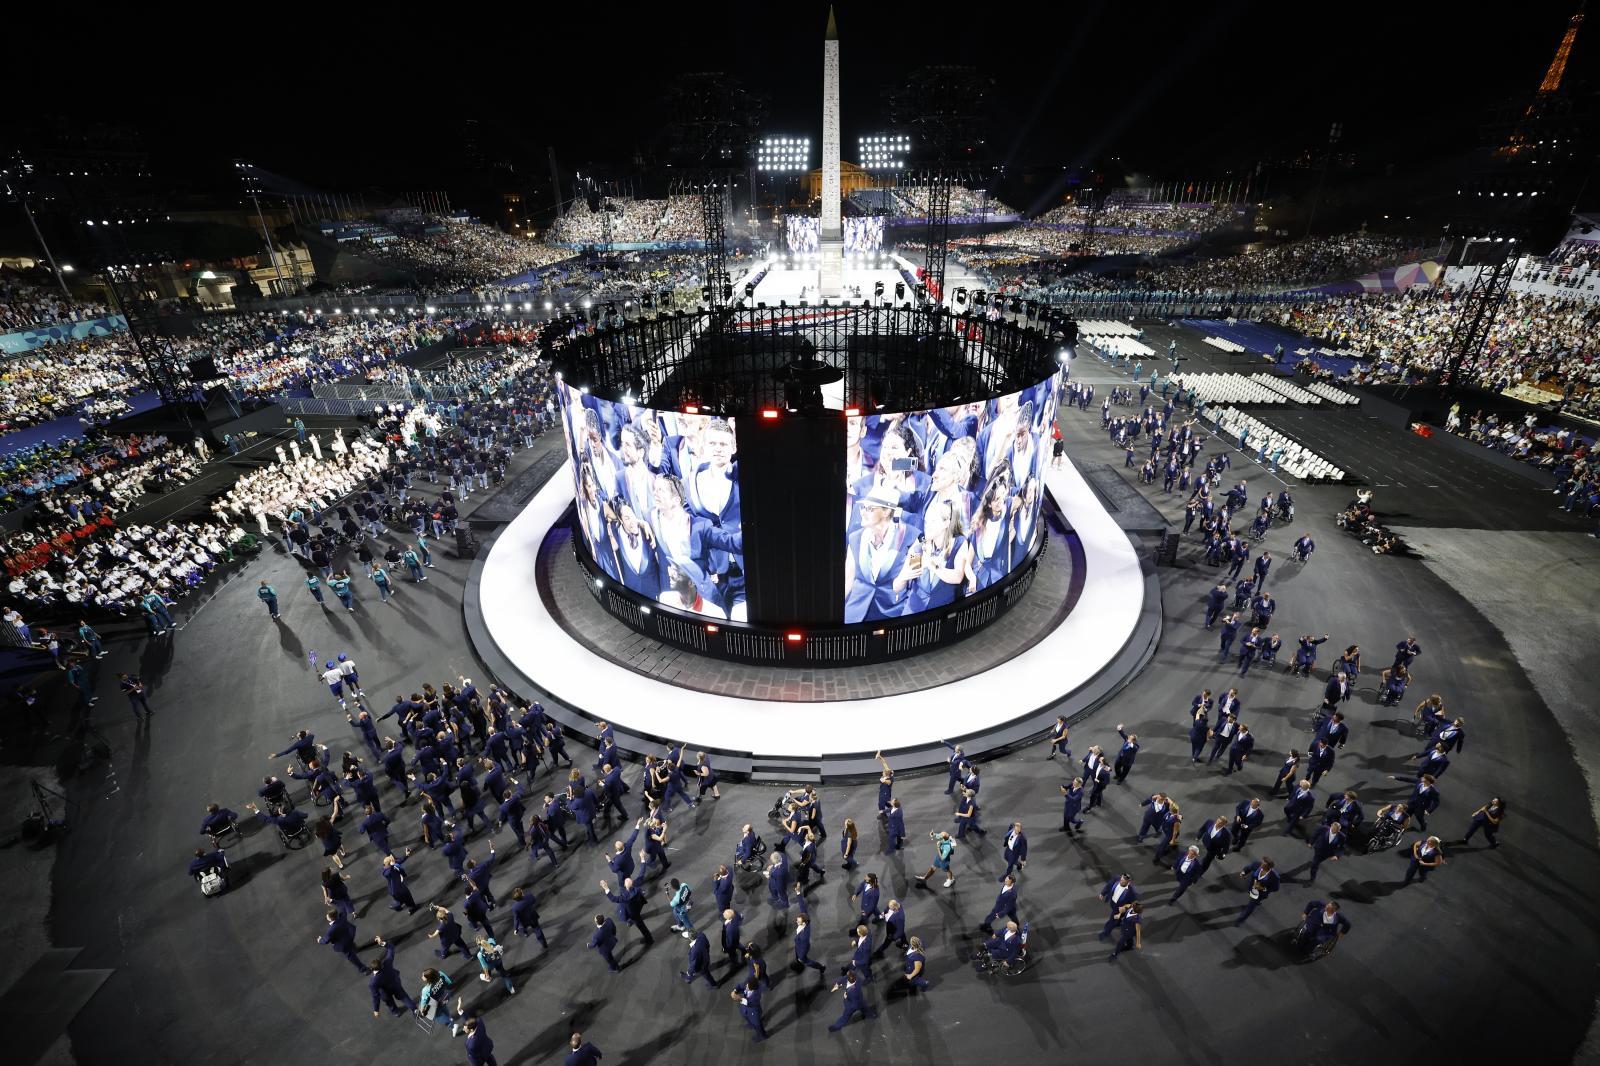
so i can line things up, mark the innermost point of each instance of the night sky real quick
(1173, 91)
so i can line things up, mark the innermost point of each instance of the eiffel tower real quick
(1520, 140)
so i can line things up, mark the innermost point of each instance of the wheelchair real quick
(989, 966)
(293, 840)
(231, 829)
(757, 859)
(1382, 835)
(1392, 693)
(784, 804)
(1307, 947)
(213, 883)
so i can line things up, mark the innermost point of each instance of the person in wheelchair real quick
(1004, 951)
(1393, 685)
(218, 822)
(1388, 826)
(1429, 716)
(275, 794)
(1344, 808)
(748, 852)
(208, 862)
(291, 824)
(1321, 927)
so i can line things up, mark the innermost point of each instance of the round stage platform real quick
(1086, 655)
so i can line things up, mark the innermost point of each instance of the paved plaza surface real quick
(1493, 956)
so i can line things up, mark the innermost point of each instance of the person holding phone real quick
(937, 564)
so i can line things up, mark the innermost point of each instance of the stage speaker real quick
(1169, 551)
(204, 368)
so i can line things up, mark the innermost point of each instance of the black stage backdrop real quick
(790, 470)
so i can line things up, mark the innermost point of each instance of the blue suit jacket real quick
(604, 937)
(873, 597)
(1129, 896)
(642, 575)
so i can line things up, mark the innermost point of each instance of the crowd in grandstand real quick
(51, 381)
(677, 218)
(48, 467)
(1572, 265)
(261, 354)
(101, 566)
(464, 254)
(31, 299)
(258, 353)
(1539, 347)
(1302, 262)
(1139, 217)
(964, 202)
(1024, 244)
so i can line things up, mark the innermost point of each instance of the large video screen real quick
(943, 503)
(863, 234)
(804, 234)
(658, 501)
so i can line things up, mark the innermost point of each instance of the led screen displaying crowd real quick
(658, 501)
(863, 234)
(804, 235)
(942, 503)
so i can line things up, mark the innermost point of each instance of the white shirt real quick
(878, 558)
(712, 487)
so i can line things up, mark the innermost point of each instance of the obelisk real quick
(832, 243)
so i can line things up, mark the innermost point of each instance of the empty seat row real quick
(1126, 347)
(1297, 459)
(1103, 327)
(1229, 388)
(1328, 392)
(1288, 389)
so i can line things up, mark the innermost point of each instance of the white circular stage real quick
(1074, 654)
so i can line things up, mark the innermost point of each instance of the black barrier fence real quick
(742, 360)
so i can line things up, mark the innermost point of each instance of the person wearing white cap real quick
(877, 558)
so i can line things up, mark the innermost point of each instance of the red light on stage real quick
(691, 409)
(711, 629)
(795, 638)
(852, 412)
(769, 412)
